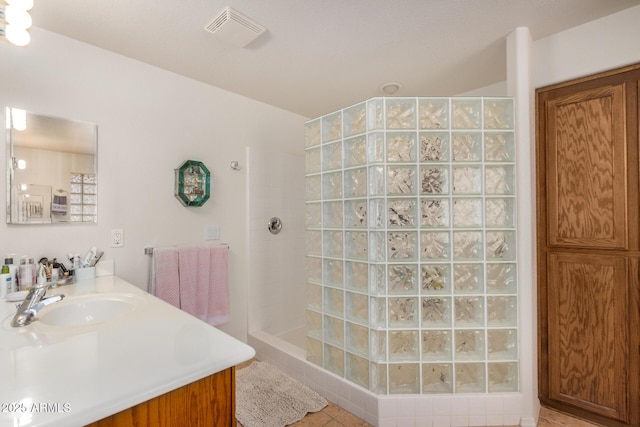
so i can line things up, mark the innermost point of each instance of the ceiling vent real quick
(234, 28)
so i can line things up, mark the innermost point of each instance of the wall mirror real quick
(51, 169)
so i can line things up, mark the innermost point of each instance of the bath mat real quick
(266, 397)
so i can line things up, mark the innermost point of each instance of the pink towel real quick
(204, 287)
(165, 279)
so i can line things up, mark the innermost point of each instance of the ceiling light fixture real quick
(22, 4)
(390, 88)
(15, 21)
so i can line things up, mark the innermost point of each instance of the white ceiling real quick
(322, 55)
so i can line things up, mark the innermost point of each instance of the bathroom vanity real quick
(112, 354)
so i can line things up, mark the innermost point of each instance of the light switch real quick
(212, 232)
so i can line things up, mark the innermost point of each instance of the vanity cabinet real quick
(152, 365)
(206, 402)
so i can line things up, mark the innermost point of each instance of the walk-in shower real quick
(411, 287)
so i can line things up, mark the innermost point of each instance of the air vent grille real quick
(235, 28)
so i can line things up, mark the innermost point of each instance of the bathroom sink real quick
(89, 310)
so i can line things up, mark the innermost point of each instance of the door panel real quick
(588, 335)
(587, 169)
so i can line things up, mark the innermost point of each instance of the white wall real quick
(149, 122)
(496, 89)
(596, 46)
(277, 298)
(600, 45)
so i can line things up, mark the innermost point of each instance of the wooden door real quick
(588, 247)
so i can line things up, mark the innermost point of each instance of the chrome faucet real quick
(32, 304)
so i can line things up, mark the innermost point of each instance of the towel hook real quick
(274, 225)
(234, 165)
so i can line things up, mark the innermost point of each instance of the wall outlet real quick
(117, 238)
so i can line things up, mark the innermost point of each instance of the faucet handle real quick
(35, 294)
(39, 289)
(44, 285)
(44, 302)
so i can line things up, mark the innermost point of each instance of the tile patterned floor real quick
(334, 416)
(551, 418)
(331, 416)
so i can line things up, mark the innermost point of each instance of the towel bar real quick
(149, 250)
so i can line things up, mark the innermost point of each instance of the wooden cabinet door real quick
(588, 332)
(588, 246)
(586, 175)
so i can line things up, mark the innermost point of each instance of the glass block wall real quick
(410, 230)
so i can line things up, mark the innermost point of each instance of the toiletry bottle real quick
(54, 277)
(62, 269)
(34, 270)
(21, 268)
(13, 270)
(42, 275)
(26, 275)
(5, 281)
(91, 254)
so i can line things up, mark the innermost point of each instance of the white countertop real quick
(52, 375)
